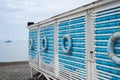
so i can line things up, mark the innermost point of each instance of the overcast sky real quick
(14, 14)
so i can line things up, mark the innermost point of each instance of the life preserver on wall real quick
(44, 43)
(114, 38)
(67, 37)
(31, 44)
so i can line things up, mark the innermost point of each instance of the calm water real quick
(15, 51)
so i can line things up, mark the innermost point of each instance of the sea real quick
(17, 50)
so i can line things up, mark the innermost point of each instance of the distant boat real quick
(8, 41)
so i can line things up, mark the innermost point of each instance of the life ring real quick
(114, 38)
(44, 43)
(31, 44)
(67, 37)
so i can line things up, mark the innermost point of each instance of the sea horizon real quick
(17, 50)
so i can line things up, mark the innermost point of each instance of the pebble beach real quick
(14, 70)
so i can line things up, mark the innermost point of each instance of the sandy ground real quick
(14, 71)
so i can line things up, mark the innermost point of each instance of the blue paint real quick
(75, 21)
(77, 31)
(102, 56)
(108, 9)
(101, 41)
(106, 18)
(106, 63)
(80, 46)
(76, 59)
(108, 24)
(101, 50)
(48, 55)
(107, 31)
(64, 23)
(109, 70)
(104, 37)
(77, 26)
(33, 35)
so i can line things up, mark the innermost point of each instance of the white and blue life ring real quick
(114, 38)
(44, 43)
(67, 37)
(31, 44)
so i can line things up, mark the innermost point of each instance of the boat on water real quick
(8, 41)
